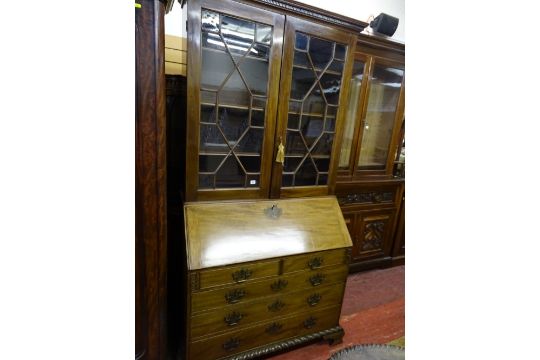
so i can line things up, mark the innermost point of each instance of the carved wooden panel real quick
(373, 234)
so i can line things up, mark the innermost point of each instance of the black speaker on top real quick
(385, 24)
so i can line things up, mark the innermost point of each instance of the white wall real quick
(357, 9)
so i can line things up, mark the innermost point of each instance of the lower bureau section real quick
(276, 330)
(234, 317)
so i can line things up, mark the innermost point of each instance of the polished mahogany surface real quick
(223, 233)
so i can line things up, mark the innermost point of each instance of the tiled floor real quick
(373, 312)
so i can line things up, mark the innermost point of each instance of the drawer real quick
(265, 333)
(239, 316)
(238, 274)
(246, 292)
(314, 261)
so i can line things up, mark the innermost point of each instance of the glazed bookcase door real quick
(233, 78)
(353, 115)
(316, 60)
(381, 119)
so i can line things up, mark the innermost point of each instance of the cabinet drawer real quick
(238, 274)
(243, 293)
(314, 261)
(238, 316)
(265, 333)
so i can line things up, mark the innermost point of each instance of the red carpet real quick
(373, 312)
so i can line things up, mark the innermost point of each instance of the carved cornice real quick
(315, 13)
(284, 345)
(304, 10)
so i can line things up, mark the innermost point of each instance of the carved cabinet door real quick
(372, 236)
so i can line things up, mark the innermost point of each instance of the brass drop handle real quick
(279, 285)
(233, 318)
(241, 275)
(280, 157)
(274, 328)
(315, 263)
(231, 344)
(232, 297)
(316, 280)
(310, 322)
(314, 299)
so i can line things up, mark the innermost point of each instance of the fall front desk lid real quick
(224, 233)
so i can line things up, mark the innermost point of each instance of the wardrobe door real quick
(316, 60)
(234, 57)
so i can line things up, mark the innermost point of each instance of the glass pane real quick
(211, 140)
(230, 174)
(350, 117)
(302, 81)
(312, 128)
(235, 92)
(301, 59)
(264, 34)
(210, 20)
(255, 73)
(208, 114)
(206, 181)
(212, 41)
(320, 52)
(259, 102)
(324, 145)
(295, 144)
(331, 85)
(330, 124)
(323, 163)
(208, 97)
(315, 103)
(301, 41)
(383, 98)
(291, 163)
(306, 175)
(295, 106)
(251, 142)
(260, 51)
(293, 122)
(323, 179)
(336, 66)
(252, 164)
(216, 66)
(257, 118)
(210, 163)
(287, 180)
(233, 122)
(238, 34)
(340, 52)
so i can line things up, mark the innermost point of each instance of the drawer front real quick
(243, 293)
(238, 274)
(239, 316)
(266, 333)
(314, 261)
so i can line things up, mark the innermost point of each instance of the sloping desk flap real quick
(224, 233)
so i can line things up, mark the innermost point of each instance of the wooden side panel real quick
(150, 182)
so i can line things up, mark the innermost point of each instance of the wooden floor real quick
(373, 313)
